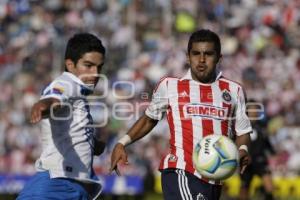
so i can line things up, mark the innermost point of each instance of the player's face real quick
(87, 67)
(203, 60)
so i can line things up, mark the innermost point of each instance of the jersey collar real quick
(73, 77)
(188, 76)
(84, 90)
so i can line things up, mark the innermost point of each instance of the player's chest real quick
(201, 101)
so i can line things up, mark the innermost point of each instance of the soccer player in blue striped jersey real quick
(64, 169)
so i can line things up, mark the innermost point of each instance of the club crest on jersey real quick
(204, 110)
(226, 96)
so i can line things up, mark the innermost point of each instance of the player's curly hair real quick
(205, 35)
(82, 43)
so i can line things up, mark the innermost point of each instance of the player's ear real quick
(70, 65)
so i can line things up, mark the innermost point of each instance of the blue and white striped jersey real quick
(67, 135)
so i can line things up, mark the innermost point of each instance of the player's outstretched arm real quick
(41, 109)
(242, 143)
(141, 128)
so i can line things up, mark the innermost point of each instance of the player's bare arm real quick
(141, 128)
(243, 142)
(41, 109)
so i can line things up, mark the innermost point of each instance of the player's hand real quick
(245, 160)
(37, 112)
(118, 155)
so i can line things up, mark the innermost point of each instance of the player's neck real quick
(208, 81)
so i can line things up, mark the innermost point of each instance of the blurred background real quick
(145, 41)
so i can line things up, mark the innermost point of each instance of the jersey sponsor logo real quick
(204, 110)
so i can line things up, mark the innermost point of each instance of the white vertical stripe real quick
(165, 165)
(196, 121)
(217, 101)
(173, 93)
(181, 189)
(183, 185)
(185, 179)
(233, 87)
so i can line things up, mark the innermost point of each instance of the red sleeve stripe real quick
(225, 123)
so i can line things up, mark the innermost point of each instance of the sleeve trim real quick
(148, 113)
(245, 131)
(52, 96)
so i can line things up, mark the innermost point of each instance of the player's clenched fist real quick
(36, 112)
(118, 154)
(42, 108)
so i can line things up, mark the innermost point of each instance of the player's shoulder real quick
(231, 82)
(168, 78)
(165, 81)
(64, 77)
(64, 80)
(60, 84)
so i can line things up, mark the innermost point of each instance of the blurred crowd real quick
(147, 40)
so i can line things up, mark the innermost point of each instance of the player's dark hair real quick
(82, 43)
(205, 35)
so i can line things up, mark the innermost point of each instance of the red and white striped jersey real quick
(194, 110)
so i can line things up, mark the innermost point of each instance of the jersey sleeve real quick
(242, 122)
(58, 89)
(159, 102)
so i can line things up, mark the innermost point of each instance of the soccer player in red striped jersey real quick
(202, 102)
